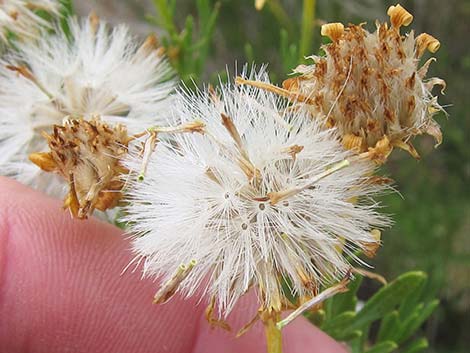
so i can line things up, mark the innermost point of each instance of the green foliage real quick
(188, 48)
(397, 309)
(66, 11)
(291, 52)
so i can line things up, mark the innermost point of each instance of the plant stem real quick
(306, 34)
(273, 334)
(341, 287)
(165, 16)
(281, 15)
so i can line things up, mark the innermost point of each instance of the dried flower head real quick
(88, 155)
(97, 71)
(262, 194)
(19, 17)
(370, 87)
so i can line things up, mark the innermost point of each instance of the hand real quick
(61, 290)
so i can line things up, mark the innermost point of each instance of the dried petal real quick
(370, 248)
(422, 72)
(426, 41)
(293, 150)
(408, 147)
(381, 151)
(291, 84)
(399, 16)
(212, 320)
(353, 142)
(434, 130)
(44, 161)
(334, 31)
(436, 81)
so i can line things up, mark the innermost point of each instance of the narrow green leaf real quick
(356, 344)
(203, 10)
(249, 54)
(387, 298)
(388, 326)
(347, 301)
(281, 15)
(172, 8)
(165, 16)
(186, 61)
(153, 20)
(356, 336)
(207, 33)
(187, 34)
(411, 301)
(209, 26)
(339, 323)
(306, 34)
(284, 47)
(406, 325)
(416, 346)
(66, 11)
(383, 347)
(317, 318)
(289, 52)
(66, 8)
(414, 322)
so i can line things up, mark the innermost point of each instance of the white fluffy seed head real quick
(97, 71)
(197, 201)
(18, 17)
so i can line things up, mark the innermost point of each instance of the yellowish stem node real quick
(272, 331)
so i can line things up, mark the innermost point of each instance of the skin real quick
(61, 290)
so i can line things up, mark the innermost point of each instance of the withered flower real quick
(262, 194)
(87, 154)
(97, 71)
(369, 86)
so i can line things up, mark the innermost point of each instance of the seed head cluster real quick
(370, 86)
(96, 72)
(87, 154)
(245, 186)
(258, 196)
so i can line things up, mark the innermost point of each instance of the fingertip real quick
(62, 286)
(301, 336)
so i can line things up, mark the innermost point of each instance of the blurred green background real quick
(432, 211)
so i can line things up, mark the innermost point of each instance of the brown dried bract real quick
(370, 248)
(369, 87)
(88, 155)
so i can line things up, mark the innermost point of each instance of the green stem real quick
(165, 16)
(272, 332)
(306, 35)
(281, 15)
